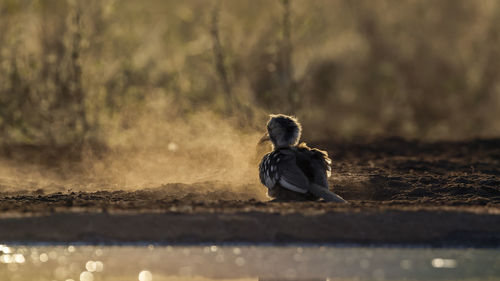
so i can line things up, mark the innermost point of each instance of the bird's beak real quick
(264, 138)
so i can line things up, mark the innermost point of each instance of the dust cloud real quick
(200, 153)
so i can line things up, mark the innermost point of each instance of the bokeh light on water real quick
(240, 262)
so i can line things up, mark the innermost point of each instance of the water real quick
(156, 263)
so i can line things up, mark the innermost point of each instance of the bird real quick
(292, 171)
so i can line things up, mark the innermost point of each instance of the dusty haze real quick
(201, 151)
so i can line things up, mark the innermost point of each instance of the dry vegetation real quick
(73, 71)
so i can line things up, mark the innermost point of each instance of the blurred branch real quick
(78, 93)
(286, 76)
(219, 59)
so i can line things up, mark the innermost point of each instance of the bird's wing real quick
(268, 171)
(279, 167)
(290, 175)
(320, 164)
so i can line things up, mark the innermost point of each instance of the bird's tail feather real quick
(326, 194)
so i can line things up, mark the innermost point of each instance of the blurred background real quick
(75, 70)
(159, 77)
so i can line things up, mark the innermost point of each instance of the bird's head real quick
(282, 131)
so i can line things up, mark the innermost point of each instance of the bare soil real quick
(402, 192)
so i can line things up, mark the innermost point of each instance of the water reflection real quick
(286, 279)
(264, 263)
(444, 263)
(145, 276)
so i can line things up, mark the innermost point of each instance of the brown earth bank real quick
(400, 192)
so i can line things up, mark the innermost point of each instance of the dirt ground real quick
(399, 192)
